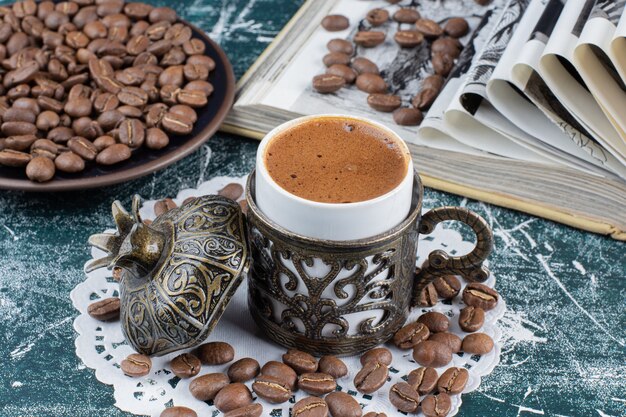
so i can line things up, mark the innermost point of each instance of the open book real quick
(525, 119)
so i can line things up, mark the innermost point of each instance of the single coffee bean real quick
(448, 46)
(216, 353)
(195, 72)
(343, 405)
(476, 343)
(20, 142)
(252, 410)
(178, 412)
(436, 405)
(40, 169)
(410, 335)
(340, 45)
(408, 117)
(456, 27)
(133, 96)
(163, 14)
(110, 119)
(282, 372)
(404, 397)
(243, 370)
(479, 295)
(206, 387)
(332, 366)
(177, 124)
(364, 66)
(371, 83)
(156, 138)
(348, 74)
(45, 145)
(429, 28)
(82, 147)
(176, 56)
(377, 17)
(232, 396)
(78, 107)
(194, 47)
(106, 309)
(328, 83)
(374, 414)
(11, 158)
(316, 383)
(114, 154)
(310, 407)
(447, 286)
(60, 134)
(233, 191)
(371, 377)
(69, 162)
(299, 361)
(369, 39)
(423, 380)
(130, 111)
(18, 128)
(136, 365)
(425, 98)
(132, 133)
(406, 15)
(430, 353)
(471, 319)
(408, 38)
(23, 74)
(87, 128)
(185, 365)
(47, 120)
(14, 114)
(333, 58)
(436, 322)
(163, 206)
(192, 98)
(271, 389)
(449, 339)
(335, 23)
(442, 64)
(380, 355)
(384, 102)
(453, 380)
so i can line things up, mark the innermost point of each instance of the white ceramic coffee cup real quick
(332, 221)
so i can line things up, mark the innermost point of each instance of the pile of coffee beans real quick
(91, 81)
(345, 67)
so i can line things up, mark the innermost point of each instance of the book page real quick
(618, 48)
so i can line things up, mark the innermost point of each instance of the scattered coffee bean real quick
(252, 410)
(243, 370)
(332, 366)
(206, 387)
(406, 15)
(430, 353)
(410, 335)
(177, 124)
(185, 365)
(456, 27)
(232, 191)
(374, 414)
(328, 83)
(371, 377)
(428, 296)
(477, 343)
(436, 405)
(364, 66)
(377, 17)
(136, 365)
(423, 380)
(407, 117)
(156, 138)
(429, 28)
(114, 154)
(442, 64)
(178, 412)
(216, 353)
(299, 361)
(425, 98)
(163, 206)
(348, 74)
(447, 286)
(436, 322)
(369, 39)
(340, 45)
(316, 383)
(453, 380)
(449, 339)
(105, 310)
(81, 146)
(384, 102)
(310, 407)
(341, 404)
(333, 58)
(447, 46)
(471, 319)
(371, 83)
(380, 355)
(40, 169)
(11, 158)
(69, 162)
(404, 397)
(232, 396)
(281, 371)
(408, 38)
(335, 23)
(480, 295)
(271, 389)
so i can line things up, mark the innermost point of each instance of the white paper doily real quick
(101, 346)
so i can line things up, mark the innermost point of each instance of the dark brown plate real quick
(145, 161)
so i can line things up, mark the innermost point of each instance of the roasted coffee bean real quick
(380, 355)
(136, 365)
(456, 27)
(410, 335)
(408, 38)
(408, 117)
(18, 128)
(384, 102)
(110, 119)
(243, 370)
(163, 206)
(137, 10)
(20, 142)
(103, 142)
(436, 405)
(471, 319)
(348, 74)
(453, 380)
(483, 2)
(404, 397)
(429, 28)
(310, 407)
(60, 134)
(377, 17)
(163, 14)
(300, 361)
(341, 404)
(40, 169)
(27, 104)
(232, 396)
(340, 45)
(477, 343)
(335, 23)
(233, 191)
(423, 380)
(374, 414)
(133, 96)
(371, 377)
(45, 145)
(333, 58)
(243, 205)
(177, 124)
(130, 111)
(47, 120)
(185, 111)
(132, 76)
(87, 128)
(11, 158)
(178, 411)
(192, 98)
(282, 372)
(131, 132)
(448, 46)
(78, 107)
(271, 389)
(176, 56)
(328, 83)
(106, 309)
(406, 15)
(194, 47)
(442, 64)
(369, 39)
(447, 286)
(436, 322)
(195, 72)
(185, 365)
(316, 383)
(425, 98)
(69, 162)
(252, 410)
(14, 114)
(23, 74)
(206, 387)
(82, 147)
(371, 83)
(449, 339)
(95, 30)
(479, 295)
(156, 138)
(332, 366)
(114, 154)
(364, 66)
(216, 353)
(20, 90)
(155, 114)
(430, 353)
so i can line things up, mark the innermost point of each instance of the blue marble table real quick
(564, 333)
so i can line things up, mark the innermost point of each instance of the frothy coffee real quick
(336, 160)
